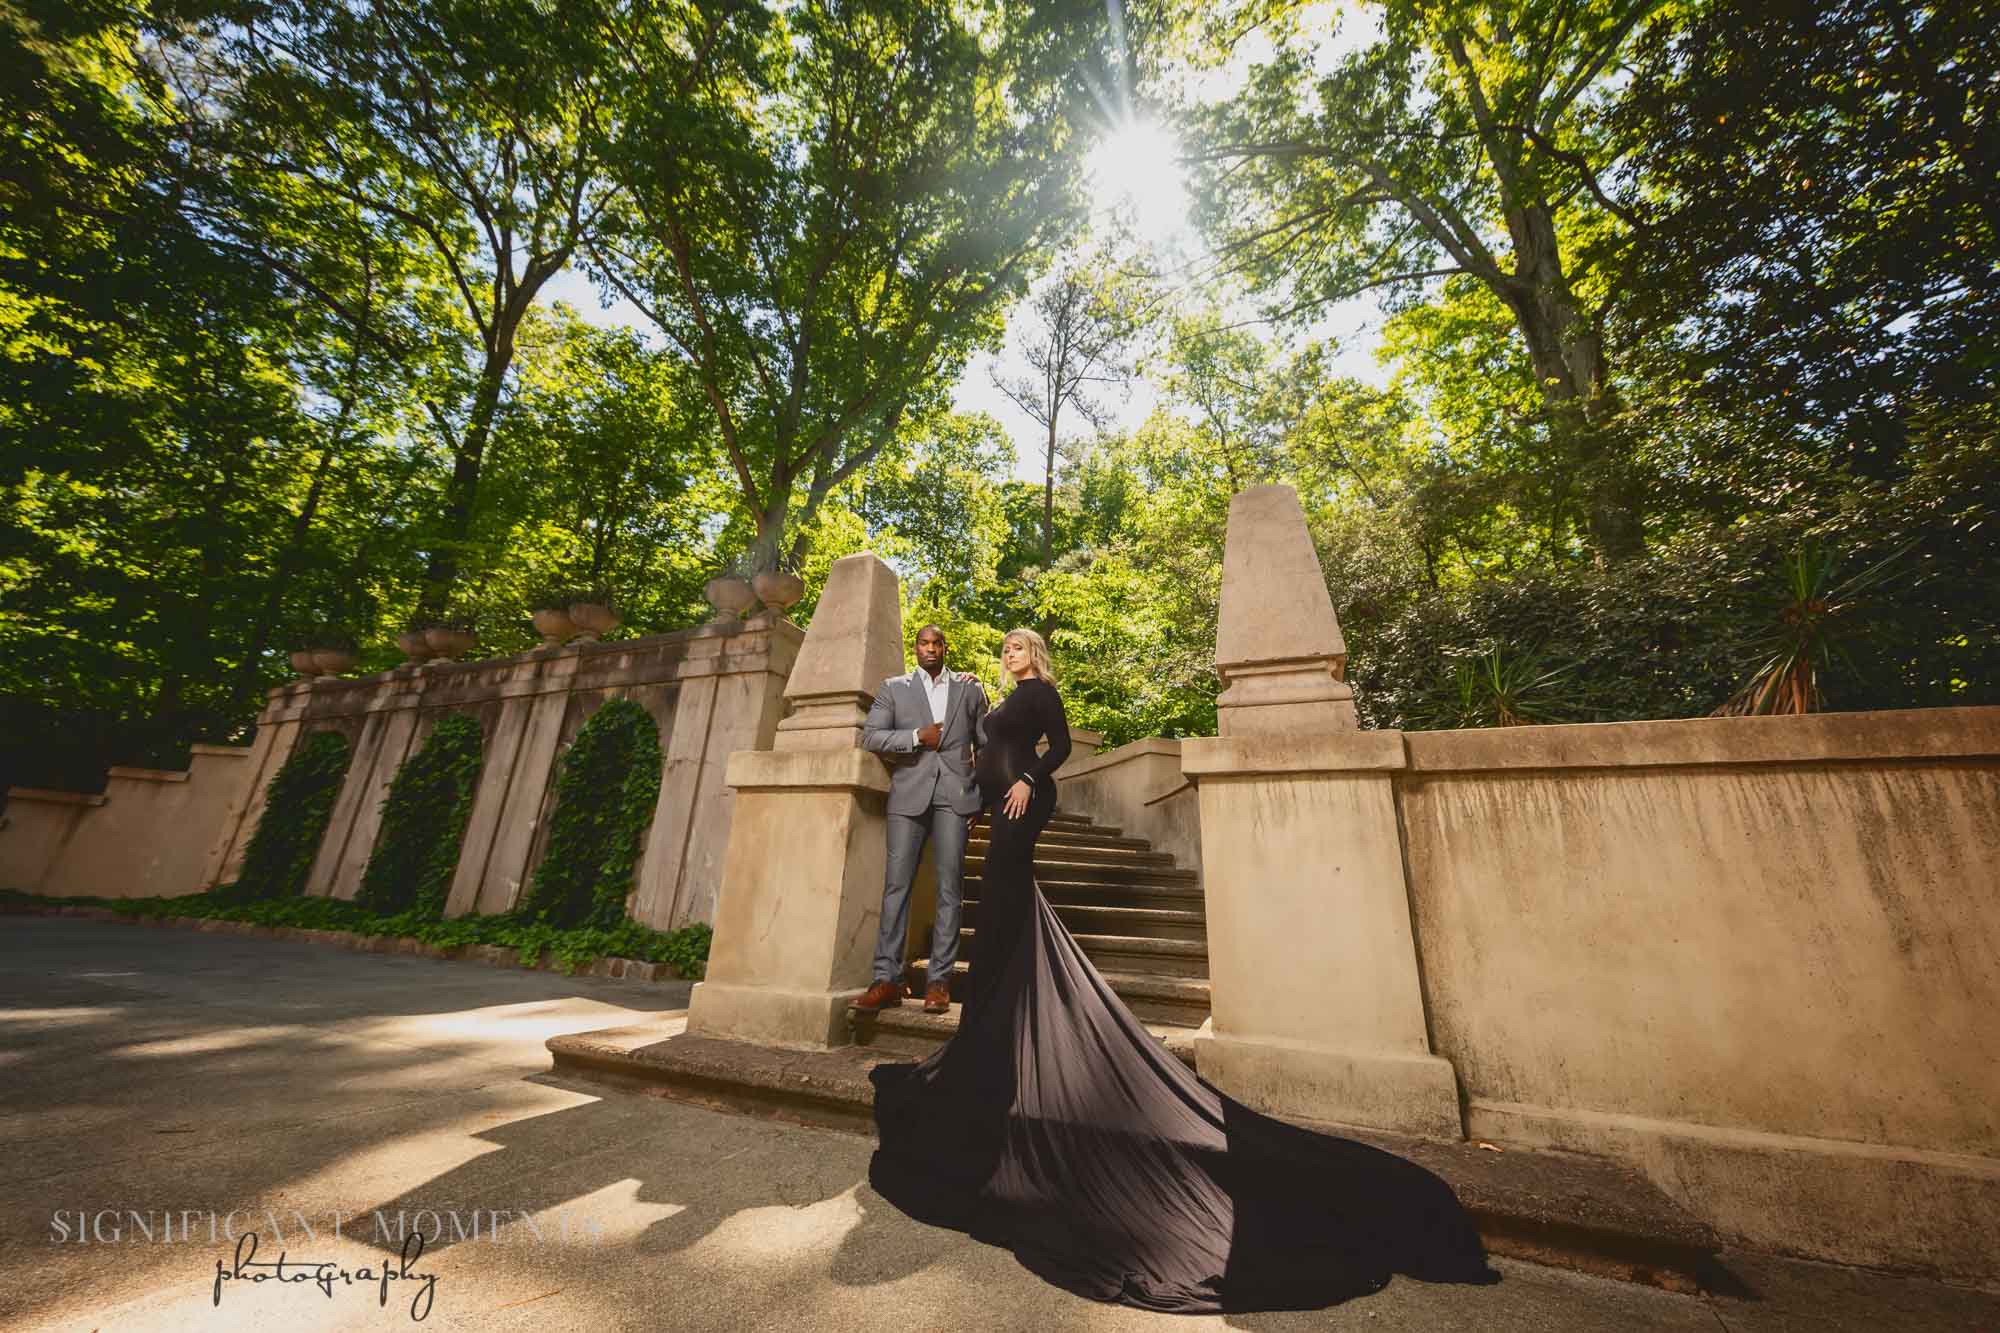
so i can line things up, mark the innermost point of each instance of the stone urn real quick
(332, 662)
(415, 646)
(778, 591)
(730, 596)
(593, 618)
(555, 625)
(448, 643)
(302, 662)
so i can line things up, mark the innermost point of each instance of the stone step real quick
(1122, 919)
(1060, 837)
(1079, 854)
(1153, 998)
(1132, 953)
(1077, 824)
(910, 1031)
(1110, 893)
(1103, 872)
(1556, 1208)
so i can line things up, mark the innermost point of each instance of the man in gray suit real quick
(933, 716)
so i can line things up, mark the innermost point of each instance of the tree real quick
(1822, 229)
(400, 115)
(1073, 342)
(146, 422)
(1467, 122)
(1224, 375)
(604, 474)
(841, 220)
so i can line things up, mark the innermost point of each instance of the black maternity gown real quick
(1053, 1124)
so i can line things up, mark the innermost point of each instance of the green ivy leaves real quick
(605, 794)
(423, 822)
(297, 806)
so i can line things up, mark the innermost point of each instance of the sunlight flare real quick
(1137, 169)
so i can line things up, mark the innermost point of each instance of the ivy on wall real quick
(605, 794)
(297, 806)
(423, 823)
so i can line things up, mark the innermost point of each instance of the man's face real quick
(930, 651)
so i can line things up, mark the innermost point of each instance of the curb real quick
(493, 955)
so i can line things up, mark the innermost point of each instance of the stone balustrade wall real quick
(1757, 957)
(712, 690)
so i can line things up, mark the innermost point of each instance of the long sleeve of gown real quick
(1054, 723)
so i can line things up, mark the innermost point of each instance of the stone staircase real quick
(1139, 918)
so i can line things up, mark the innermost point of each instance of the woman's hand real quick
(1017, 799)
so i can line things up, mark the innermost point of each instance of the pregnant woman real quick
(1053, 1124)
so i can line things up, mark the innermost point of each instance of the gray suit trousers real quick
(907, 835)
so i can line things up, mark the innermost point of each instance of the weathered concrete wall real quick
(1138, 788)
(1758, 957)
(712, 690)
(149, 834)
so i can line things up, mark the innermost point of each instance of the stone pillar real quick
(1317, 1009)
(801, 895)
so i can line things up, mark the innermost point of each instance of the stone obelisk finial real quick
(855, 642)
(1277, 644)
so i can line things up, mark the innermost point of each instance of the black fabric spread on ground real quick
(1054, 1125)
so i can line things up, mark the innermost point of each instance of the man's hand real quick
(928, 736)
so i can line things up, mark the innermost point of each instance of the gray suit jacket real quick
(918, 776)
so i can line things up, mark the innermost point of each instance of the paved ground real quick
(162, 1071)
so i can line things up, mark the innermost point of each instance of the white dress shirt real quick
(937, 692)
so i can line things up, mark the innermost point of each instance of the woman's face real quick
(1014, 657)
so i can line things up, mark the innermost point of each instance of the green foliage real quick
(297, 806)
(828, 229)
(276, 355)
(1467, 144)
(1812, 630)
(603, 475)
(423, 823)
(685, 950)
(1822, 227)
(606, 789)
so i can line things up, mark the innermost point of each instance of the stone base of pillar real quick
(811, 1020)
(801, 898)
(1316, 996)
(1407, 1094)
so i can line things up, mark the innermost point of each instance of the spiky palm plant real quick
(1813, 628)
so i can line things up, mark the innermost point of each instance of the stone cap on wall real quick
(1081, 764)
(768, 645)
(52, 796)
(1813, 738)
(1307, 752)
(791, 770)
(1908, 733)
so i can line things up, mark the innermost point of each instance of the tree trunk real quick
(1566, 352)
(1049, 495)
(287, 562)
(463, 494)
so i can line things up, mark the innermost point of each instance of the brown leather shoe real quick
(937, 999)
(881, 995)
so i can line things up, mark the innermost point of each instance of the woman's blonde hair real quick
(1038, 653)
